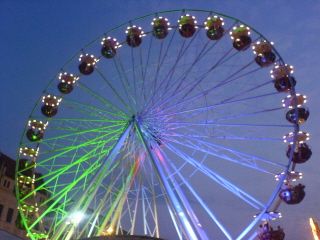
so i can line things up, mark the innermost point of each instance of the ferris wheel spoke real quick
(90, 127)
(230, 131)
(181, 78)
(180, 212)
(131, 81)
(203, 204)
(82, 145)
(246, 91)
(249, 114)
(65, 169)
(132, 209)
(202, 95)
(217, 151)
(198, 110)
(160, 64)
(208, 124)
(199, 79)
(152, 208)
(196, 223)
(117, 112)
(134, 84)
(78, 132)
(115, 92)
(96, 142)
(96, 180)
(247, 138)
(91, 152)
(217, 178)
(144, 70)
(108, 192)
(157, 87)
(96, 112)
(73, 121)
(143, 78)
(165, 84)
(61, 194)
(155, 80)
(220, 133)
(124, 79)
(225, 131)
(120, 199)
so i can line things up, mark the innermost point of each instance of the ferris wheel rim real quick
(133, 115)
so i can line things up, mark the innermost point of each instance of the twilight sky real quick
(39, 37)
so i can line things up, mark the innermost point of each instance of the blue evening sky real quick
(39, 37)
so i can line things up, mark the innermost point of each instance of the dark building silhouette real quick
(8, 202)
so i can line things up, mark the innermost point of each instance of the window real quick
(1, 208)
(6, 183)
(9, 215)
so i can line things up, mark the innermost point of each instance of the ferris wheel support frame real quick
(96, 180)
(178, 209)
(184, 200)
(148, 140)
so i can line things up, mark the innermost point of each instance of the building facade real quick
(8, 202)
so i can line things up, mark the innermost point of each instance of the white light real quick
(78, 216)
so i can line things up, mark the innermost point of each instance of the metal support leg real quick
(179, 211)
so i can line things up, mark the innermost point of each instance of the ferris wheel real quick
(168, 126)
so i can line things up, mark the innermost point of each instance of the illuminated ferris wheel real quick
(169, 129)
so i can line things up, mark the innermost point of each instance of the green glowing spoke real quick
(119, 97)
(88, 110)
(87, 143)
(103, 100)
